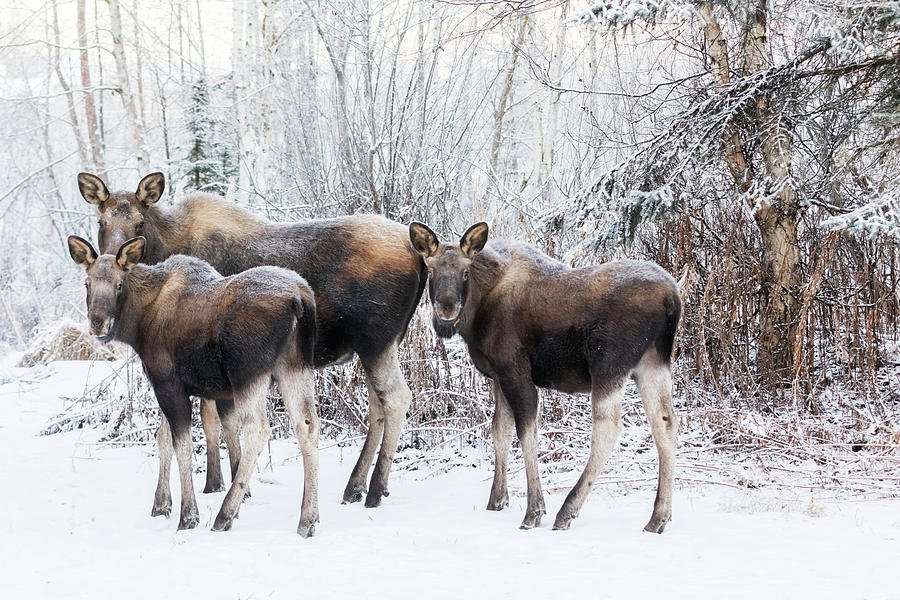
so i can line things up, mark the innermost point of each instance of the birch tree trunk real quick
(505, 94)
(67, 89)
(551, 111)
(267, 80)
(90, 110)
(775, 207)
(777, 216)
(137, 134)
(369, 99)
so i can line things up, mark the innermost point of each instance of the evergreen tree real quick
(210, 162)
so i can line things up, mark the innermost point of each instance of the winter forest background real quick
(749, 147)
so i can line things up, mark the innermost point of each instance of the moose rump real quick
(256, 318)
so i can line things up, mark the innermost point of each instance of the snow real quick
(75, 524)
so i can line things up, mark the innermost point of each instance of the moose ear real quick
(474, 239)
(131, 252)
(151, 187)
(81, 251)
(423, 239)
(92, 189)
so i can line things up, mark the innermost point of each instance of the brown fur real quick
(363, 269)
(199, 333)
(530, 321)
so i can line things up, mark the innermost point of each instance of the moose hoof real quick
(222, 523)
(247, 493)
(213, 486)
(161, 511)
(188, 522)
(497, 504)
(307, 527)
(532, 520)
(656, 524)
(373, 500)
(563, 522)
(353, 494)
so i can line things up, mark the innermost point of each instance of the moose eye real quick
(119, 287)
(466, 275)
(140, 227)
(101, 224)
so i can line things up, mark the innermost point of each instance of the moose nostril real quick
(448, 312)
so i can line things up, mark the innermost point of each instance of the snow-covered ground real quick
(74, 523)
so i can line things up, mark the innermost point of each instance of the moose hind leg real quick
(395, 397)
(356, 486)
(231, 426)
(162, 500)
(299, 393)
(250, 403)
(654, 382)
(209, 419)
(606, 408)
(502, 428)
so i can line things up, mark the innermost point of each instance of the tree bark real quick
(90, 110)
(777, 216)
(774, 207)
(137, 134)
(505, 93)
(717, 50)
(67, 90)
(548, 138)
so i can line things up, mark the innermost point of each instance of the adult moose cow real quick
(367, 279)
(529, 320)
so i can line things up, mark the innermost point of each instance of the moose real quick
(199, 333)
(531, 321)
(367, 279)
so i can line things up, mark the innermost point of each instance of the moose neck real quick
(484, 273)
(161, 240)
(142, 286)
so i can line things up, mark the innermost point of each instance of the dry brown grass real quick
(67, 342)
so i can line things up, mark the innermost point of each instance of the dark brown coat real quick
(199, 333)
(530, 321)
(367, 278)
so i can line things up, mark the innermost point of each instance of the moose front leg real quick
(502, 428)
(522, 397)
(162, 500)
(176, 406)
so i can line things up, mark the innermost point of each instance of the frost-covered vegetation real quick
(749, 147)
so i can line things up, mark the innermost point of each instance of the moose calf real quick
(199, 333)
(529, 320)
